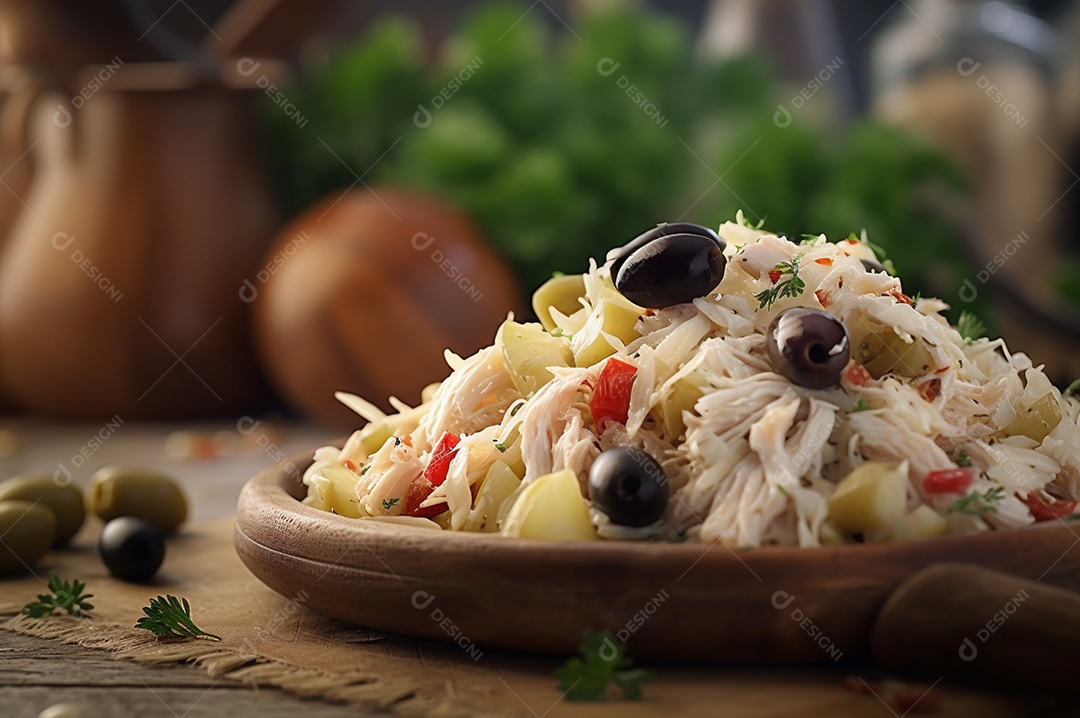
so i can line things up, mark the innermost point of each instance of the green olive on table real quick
(124, 491)
(28, 529)
(66, 502)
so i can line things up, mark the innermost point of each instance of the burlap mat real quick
(270, 641)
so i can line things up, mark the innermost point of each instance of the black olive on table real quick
(132, 548)
(669, 264)
(629, 486)
(808, 346)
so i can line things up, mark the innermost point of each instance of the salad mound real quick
(731, 385)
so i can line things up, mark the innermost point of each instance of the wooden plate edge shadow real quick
(674, 602)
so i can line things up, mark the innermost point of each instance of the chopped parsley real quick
(788, 284)
(603, 660)
(970, 326)
(861, 406)
(1072, 390)
(390, 503)
(558, 332)
(962, 460)
(915, 300)
(977, 504)
(501, 447)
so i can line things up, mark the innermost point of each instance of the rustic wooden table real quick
(36, 674)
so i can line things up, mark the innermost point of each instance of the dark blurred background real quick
(220, 208)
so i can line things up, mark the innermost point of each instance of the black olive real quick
(618, 256)
(808, 346)
(629, 486)
(872, 265)
(132, 548)
(669, 265)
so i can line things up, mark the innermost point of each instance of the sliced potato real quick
(528, 351)
(335, 491)
(1037, 421)
(870, 498)
(551, 508)
(561, 293)
(618, 318)
(922, 523)
(499, 483)
(885, 352)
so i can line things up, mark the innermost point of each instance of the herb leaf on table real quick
(63, 596)
(603, 660)
(170, 617)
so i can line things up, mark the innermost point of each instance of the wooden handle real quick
(977, 624)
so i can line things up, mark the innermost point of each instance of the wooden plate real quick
(682, 602)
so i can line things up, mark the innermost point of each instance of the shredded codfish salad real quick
(730, 386)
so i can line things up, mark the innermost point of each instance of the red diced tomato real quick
(774, 275)
(825, 261)
(349, 465)
(857, 374)
(439, 464)
(822, 297)
(415, 495)
(611, 398)
(948, 481)
(1043, 510)
(435, 473)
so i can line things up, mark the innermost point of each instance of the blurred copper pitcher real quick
(145, 211)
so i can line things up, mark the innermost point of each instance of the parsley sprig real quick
(603, 660)
(970, 326)
(63, 596)
(976, 504)
(789, 284)
(170, 617)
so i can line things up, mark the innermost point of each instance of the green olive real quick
(123, 491)
(1037, 421)
(885, 352)
(66, 502)
(28, 529)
